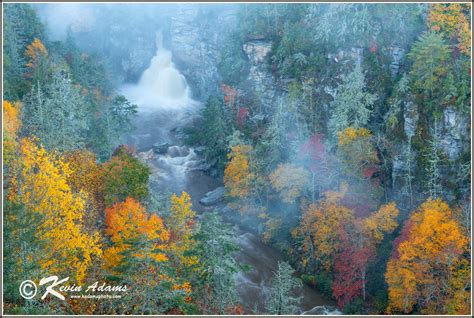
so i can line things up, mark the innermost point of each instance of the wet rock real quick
(259, 74)
(213, 197)
(410, 115)
(146, 155)
(454, 133)
(196, 40)
(177, 151)
(322, 310)
(214, 172)
(161, 148)
(257, 51)
(396, 53)
(200, 150)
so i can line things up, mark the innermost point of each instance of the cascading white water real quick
(161, 85)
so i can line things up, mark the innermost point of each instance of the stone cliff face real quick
(259, 77)
(196, 35)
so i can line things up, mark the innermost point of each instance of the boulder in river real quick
(146, 155)
(200, 150)
(213, 197)
(323, 310)
(178, 151)
(161, 148)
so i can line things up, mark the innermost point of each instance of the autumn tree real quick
(37, 56)
(11, 126)
(290, 181)
(350, 265)
(39, 186)
(139, 256)
(125, 176)
(452, 19)
(128, 220)
(87, 176)
(423, 273)
(238, 177)
(318, 229)
(357, 248)
(281, 299)
(181, 224)
(360, 164)
(357, 151)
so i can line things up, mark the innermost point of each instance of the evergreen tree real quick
(282, 300)
(21, 27)
(216, 246)
(352, 105)
(431, 73)
(56, 113)
(213, 131)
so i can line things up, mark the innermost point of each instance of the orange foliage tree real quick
(37, 55)
(139, 256)
(127, 221)
(427, 266)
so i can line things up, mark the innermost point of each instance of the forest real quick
(236, 159)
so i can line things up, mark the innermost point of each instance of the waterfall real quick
(161, 85)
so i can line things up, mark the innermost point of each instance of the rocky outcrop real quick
(355, 54)
(161, 148)
(261, 79)
(397, 54)
(454, 133)
(196, 38)
(213, 197)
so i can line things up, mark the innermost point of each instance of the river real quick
(180, 169)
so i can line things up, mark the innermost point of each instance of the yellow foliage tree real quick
(289, 180)
(350, 134)
(88, 176)
(380, 222)
(181, 223)
(39, 183)
(427, 261)
(319, 226)
(11, 126)
(238, 177)
(453, 20)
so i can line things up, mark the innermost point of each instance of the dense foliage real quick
(356, 167)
